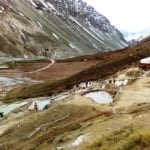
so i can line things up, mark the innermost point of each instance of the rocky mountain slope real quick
(56, 28)
(73, 120)
(64, 74)
(138, 36)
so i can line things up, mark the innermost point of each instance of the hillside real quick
(67, 73)
(69, 80)
(74, 120)
(59, 29)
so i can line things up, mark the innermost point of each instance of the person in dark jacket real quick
(35, 106)
(1, 114)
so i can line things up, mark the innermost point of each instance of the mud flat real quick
(100, 97)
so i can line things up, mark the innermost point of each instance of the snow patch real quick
(55, 36)
(51, 6)
(32, 3)
(39, 24)
(12, 25)
(43, 3)
(2, 8)
(22, 35)
(21, 14)
(72, 45)
(78, 141)
(3, 67)
(25, 56)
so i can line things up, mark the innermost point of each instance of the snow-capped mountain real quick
(64, 28)
(136, 35)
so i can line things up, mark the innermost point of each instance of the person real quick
(35, 106)
(1, 114)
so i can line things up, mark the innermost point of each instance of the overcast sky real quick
(126, 15)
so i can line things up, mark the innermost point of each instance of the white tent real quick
(145, 61)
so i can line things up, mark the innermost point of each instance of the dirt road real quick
(43, 68)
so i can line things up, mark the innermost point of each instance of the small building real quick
(85, 85)
(145, 63)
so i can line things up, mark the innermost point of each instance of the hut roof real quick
(145, 60)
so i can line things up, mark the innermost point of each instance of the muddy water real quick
(100, 97)
(10, 107)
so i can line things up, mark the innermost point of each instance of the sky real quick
(126, 15)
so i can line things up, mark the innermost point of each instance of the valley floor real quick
(77, 122)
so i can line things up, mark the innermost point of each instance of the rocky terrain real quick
(56, 28)
(64, 74)
(86, 102)
(78, 122)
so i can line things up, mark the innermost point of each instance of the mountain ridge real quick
(44, 30)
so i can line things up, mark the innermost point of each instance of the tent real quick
(145, 63)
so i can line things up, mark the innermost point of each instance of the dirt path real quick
(138, 92)
(43, 68)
